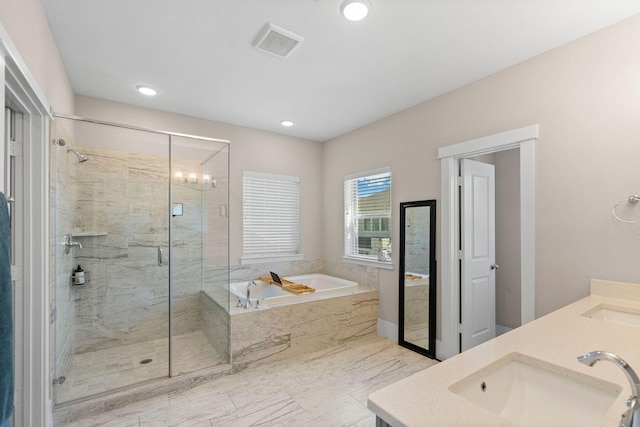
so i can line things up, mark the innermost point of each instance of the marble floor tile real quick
(370, 421)
(127, 416)
(267, 411)
(323, 388)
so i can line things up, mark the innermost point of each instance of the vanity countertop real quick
(424, 399)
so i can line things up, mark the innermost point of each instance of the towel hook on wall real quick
(633, 200)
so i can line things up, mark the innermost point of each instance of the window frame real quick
(351, 225)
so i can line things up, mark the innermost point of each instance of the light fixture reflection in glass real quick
(355, 10)
(208, 181)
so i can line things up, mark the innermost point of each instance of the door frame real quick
(523, 138)
(32, 404)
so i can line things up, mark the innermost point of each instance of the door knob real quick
(494, 266)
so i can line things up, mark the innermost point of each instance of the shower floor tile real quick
(104, 370)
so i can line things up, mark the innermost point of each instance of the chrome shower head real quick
(81, 157)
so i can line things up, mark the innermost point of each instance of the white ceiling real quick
(199, 54)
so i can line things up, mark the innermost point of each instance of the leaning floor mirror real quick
(417, 317)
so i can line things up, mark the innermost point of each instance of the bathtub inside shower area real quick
(286, 324)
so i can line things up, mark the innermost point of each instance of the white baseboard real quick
(502, 329)
(439, 355)
(388, 330)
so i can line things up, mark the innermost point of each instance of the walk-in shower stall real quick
(139, 256)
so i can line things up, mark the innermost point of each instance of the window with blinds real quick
(367, 215)
(271, 217)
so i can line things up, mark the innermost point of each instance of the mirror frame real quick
(431, 350)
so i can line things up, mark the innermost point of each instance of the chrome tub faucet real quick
(248, 301)
(631, 418)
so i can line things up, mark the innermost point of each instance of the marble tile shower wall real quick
(62, 204)
(121, 218)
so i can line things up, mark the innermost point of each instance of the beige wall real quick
(29, 31)
(508, 293)
(251, 150)
(586, 98)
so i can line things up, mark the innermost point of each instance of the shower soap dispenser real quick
(78, 276)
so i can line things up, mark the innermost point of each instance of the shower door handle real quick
(159, 255)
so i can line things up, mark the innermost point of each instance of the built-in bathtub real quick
(323, 285)
(289, 324)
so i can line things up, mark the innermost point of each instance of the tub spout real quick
(248, 301)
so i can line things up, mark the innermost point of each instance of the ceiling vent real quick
(277, 41)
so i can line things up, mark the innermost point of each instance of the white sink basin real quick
(531, 392)
(615, 314)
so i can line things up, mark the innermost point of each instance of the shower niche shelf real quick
(88, 233)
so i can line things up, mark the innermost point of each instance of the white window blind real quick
(367, 217)
(271, 216)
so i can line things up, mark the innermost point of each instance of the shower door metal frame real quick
(169, 207)
(170, 266)
(142, 129)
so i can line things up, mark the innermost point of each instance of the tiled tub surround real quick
(287, 329)
(214, 320)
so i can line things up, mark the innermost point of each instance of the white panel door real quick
(478, 283)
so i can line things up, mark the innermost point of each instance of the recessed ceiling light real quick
(355, 10)
(146, 90)
(287, 123)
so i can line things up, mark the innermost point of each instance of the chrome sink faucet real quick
(631, 418)
(248, 301)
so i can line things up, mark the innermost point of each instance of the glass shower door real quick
(199, 254)
(110, 199)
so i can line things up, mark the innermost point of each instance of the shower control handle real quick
(159, 255)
